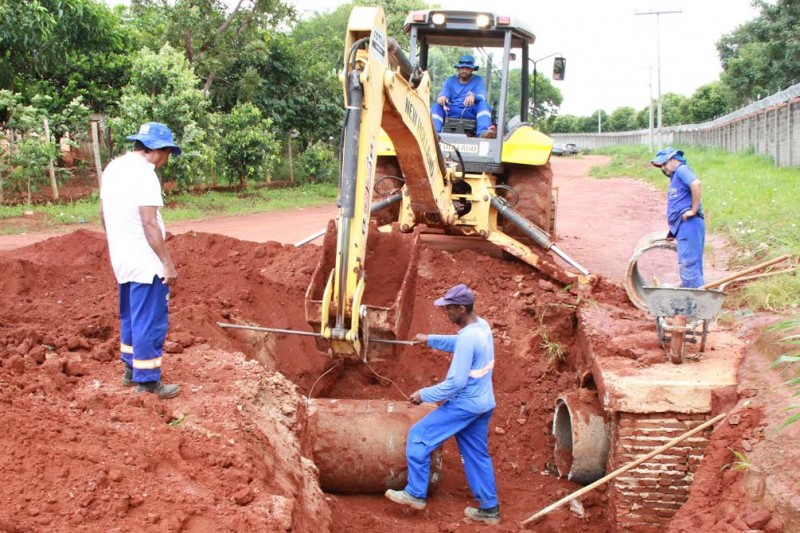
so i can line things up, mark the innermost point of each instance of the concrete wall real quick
(770, 127)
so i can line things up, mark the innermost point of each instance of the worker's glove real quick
(416, 397)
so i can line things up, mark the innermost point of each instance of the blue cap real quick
(466, 61)
(458, 295)
(665, 155)
(155, 135)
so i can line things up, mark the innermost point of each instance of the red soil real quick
(85, 454)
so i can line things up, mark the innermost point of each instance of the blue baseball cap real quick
(458, 295)
(665, 155)
(466, 61)
(155, 135)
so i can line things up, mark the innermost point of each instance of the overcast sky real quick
(611, 52)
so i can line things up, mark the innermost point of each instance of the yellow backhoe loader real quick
(497, 189)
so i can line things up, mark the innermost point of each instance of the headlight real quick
(438, 19)
(482, 21)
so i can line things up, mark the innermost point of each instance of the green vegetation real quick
(790, 362)
(746, 199)
(741, 464)
(183, 206)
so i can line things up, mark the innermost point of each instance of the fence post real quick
(50, 168)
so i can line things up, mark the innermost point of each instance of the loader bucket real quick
(388, 301)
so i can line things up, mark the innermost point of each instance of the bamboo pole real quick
(50, 167)
(746, 271)
(622, 470)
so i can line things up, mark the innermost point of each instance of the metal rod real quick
(623, 469)
(269, 330)
(569, 260)
(310, 238)
(306, 333)
(392, 341)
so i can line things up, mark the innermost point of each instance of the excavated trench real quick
(546, 379)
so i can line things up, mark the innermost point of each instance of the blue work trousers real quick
(691, 239)
(472, 436)
(480, 112)
(144, 318)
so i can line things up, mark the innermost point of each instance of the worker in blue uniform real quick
(463, 95)
(684, 214)
(468, 404)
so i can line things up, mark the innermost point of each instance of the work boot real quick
(127, 376)
(159, 389)
(404, 498)
(488, 516)
(489, 133)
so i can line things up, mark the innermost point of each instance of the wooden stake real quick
(98, 165)
(50, 167)
(622, 470)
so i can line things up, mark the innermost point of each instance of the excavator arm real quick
(379, 95)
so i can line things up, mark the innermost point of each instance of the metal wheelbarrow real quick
(682, 315)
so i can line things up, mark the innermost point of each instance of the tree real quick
(562, 124)
(762, 56)
(33, 151)
(622, 119)
(163, 88)
(248, 148)
(707, 103)
(210, 34)
(63, 48)
(673, 110)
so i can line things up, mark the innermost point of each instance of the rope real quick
(320, 377)
(389, 380)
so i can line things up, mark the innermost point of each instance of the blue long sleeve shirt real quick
(679, 198)
(456, 91)
(468, 384)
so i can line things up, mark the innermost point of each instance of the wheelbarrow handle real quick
(744, 272)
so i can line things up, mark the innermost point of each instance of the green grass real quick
(746, 199)
(180, 206)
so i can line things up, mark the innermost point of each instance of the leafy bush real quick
(318, 163)
(248, 147)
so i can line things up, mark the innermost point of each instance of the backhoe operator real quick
(463, 95)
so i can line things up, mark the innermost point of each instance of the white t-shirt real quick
(130, 182)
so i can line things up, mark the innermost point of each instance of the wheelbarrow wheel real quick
(677, 343)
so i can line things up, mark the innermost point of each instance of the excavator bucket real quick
(388, 300)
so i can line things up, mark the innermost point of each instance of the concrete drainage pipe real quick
(634, 281)
(582, 436)
(359, 446)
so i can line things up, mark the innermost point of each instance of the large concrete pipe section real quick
(359, 446)
(634, 281)
(582, 436)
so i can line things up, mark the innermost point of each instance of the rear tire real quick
(534, 186)
(387, 167)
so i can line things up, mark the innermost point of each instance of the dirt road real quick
(598, 221)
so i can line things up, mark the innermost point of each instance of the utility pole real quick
(600, 121)
(658, 52)
(650, 123)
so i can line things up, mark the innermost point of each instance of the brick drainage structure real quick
(637, 400)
